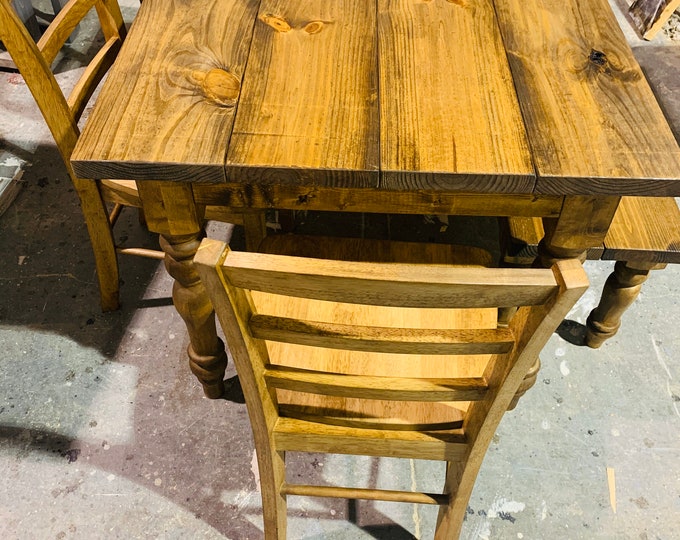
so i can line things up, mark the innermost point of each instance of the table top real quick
(480, 96)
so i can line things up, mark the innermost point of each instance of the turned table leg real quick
(207, 357)
(170, 210)
(568, 237)
(620, 291)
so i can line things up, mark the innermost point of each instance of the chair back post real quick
(34, 61)
(39, 79)
(234, 307)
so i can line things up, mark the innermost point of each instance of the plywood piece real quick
(593, 122)
(308, 110)
(194, 65)
(449, 116)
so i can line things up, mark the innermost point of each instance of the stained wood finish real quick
(197, 65)
(644, 229)
(644, 235)
(455, 124)
(593, 123)
(302, 118)
(386, 284)
(376, 251)
(520, 239)
(301, 398)
(620, 291)
(347, 199)
(649, 16)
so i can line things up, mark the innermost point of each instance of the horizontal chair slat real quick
(302, 436)
(387, 388)
(381, 339)
(388, 284)
(366, 494)
(335, 417)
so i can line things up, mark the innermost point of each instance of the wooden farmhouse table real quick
(469, 107)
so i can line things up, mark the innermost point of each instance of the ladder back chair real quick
(379, 359)
(62, 113)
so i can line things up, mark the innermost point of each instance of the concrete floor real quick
(104, 433)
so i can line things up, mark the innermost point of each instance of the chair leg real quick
(101, 238)
(451, 516)
(274, 506)
(620, 291)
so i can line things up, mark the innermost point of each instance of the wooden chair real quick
(61, 113)
(380, 359)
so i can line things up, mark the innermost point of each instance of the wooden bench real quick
(644, 235)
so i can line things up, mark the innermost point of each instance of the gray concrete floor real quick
(104, 433)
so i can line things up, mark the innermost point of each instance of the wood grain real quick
(649, 16)
(168, 109)
(592, 120)
(347, 199)
(449, 117)
(644, 229)
(393, 284)
(308, 110)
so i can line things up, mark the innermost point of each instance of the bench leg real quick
(620, 291)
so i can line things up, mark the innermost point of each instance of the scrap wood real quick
(649, 16)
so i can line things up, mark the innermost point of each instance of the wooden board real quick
(447, 101)
(593, 122)
(649, 16)
(194, 65)
(645, 229)
(309, 101)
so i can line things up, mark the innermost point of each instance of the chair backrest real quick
(34, 62)
(233, 277)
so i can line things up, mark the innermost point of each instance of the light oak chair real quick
(61, 113)
(379, 359)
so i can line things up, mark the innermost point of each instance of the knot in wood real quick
(598, 58)
(277, 23)
(313, 27)
(220, 86)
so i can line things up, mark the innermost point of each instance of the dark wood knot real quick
(219, 85)
(598, 58)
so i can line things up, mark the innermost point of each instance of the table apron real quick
(372, 200)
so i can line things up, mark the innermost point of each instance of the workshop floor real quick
(104, 433)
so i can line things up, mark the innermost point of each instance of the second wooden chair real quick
(62, 113)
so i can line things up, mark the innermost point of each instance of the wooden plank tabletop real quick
(449, 116)
(167, 108)
(593, 122)
(308, 109)
(485, 96)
